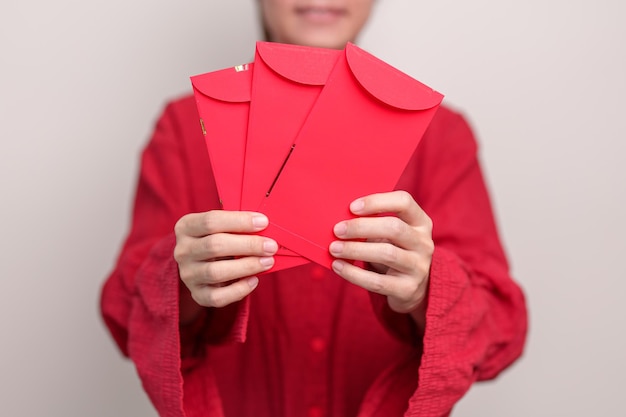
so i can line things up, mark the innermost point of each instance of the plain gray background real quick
(82, 82)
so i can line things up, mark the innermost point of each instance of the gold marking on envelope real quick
(239, 68)
(203, 129)
(280, 170)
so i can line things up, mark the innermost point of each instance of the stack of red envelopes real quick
(302, 132)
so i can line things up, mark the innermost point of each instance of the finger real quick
(389, 228)
(384, 253)
(228, 245)
(220, 221)
(209, 296)
(404, 294)
(200, 274)
(371, 281)
(399, 202)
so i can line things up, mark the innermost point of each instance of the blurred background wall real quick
(541, 81)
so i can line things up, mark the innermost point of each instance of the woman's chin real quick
(322, 39)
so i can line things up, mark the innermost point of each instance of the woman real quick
(406, 330)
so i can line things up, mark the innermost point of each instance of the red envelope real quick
(356, 141)
(223, 102)
(287, 81)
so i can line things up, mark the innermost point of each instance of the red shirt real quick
(306, 342)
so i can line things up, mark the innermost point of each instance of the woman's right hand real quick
(215, 251)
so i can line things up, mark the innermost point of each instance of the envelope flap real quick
(230, 84)
(302, 64)
(388, 84)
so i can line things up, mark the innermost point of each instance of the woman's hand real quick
(399, 248)
(215, 251)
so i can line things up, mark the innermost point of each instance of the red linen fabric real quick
(306, 342)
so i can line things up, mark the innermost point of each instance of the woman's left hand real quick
(397, 246)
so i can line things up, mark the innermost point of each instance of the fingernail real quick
(253, 282)
(259, 221)
(357, 205)
(336, 247)
(267, 261)
(337, 266)
(270, 246)
(340, 229)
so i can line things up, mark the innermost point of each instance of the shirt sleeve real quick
(476, 319)
(139, 300)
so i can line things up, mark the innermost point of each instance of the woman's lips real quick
(320, 15)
